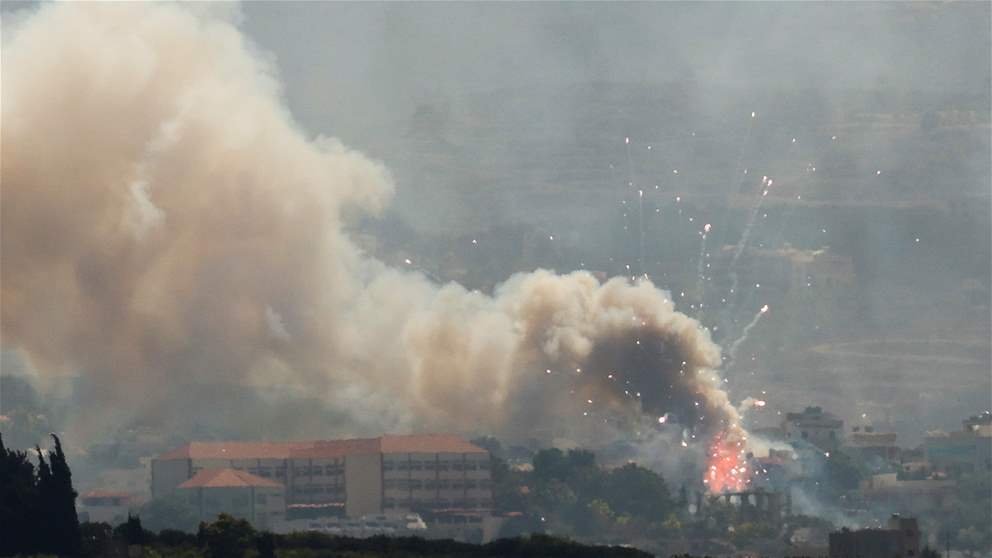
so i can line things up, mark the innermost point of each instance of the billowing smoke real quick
(175, 242)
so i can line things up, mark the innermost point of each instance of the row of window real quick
(318, 470)
(267, 472)
(241, 501)
(417, 465)
(457, 519)
(321, 489)
(440, 503)
(440, 484)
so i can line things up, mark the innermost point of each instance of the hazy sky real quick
(141, 228)
(348, 66)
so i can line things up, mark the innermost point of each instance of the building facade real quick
(237, 493)
(875, 448)
(967, 451)
(900, 540)
(814, 426)
(435, 475)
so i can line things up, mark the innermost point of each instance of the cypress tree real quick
(46, 542)
(20, 528)
(63, 504)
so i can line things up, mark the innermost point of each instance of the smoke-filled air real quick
(673, 278)
(171, 235)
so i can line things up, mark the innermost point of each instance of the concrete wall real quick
(363, 484)
(262, 506)
(168, 474)
(317, 480)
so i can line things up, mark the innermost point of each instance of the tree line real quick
(37, 504)
(38, 517)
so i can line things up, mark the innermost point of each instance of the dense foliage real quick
(229, 537)
(37, 505)
(567, 492)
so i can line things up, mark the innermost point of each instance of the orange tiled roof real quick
(218, 478)
(327, 449)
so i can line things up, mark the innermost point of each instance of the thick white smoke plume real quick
(172, 239)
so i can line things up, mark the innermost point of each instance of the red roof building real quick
(363, 475)
(220, 478)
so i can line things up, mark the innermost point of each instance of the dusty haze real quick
(174, 242)
(186, 250)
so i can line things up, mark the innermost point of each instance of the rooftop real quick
(871, 439)
(814, 415)
(427, 443)
(324, 449)
(224, 478)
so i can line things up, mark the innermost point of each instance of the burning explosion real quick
(727, 467)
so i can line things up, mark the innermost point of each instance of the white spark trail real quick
(736, 345)
(700, 264)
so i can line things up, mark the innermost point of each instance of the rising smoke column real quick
(173, 239)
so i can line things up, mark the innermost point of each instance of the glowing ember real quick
(728, 468)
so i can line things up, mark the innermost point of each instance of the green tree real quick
(97, 539)
(639, 492)
(508, 495)
(555, 496)
(37, 509)
(169, 512)
(600, 515)
(20, 518)
(266, 545)
(59, 500)
(228, 537)
(577, 468)
(132, 532)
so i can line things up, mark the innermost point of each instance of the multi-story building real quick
(969, 450)
(435, 475)
(814, 426)
(876, 448)
(888, 491)
(238, 493)
(900, 540)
